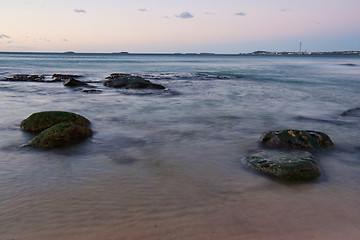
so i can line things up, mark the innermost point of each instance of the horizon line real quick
(173, 53)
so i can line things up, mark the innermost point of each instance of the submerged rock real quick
(284, 165)
(91, 91)
(60, 135)
(26, 78)
(129, 81)
(296, 139)
(355, 112)
(43, 120)
(71, 82)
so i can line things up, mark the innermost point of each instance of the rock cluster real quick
(26, 78)
(288, 159)
(115, 80)
(57, 128)
(40, 78)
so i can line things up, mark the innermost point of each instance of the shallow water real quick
(167, 164)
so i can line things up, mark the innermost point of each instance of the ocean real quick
(167, 164)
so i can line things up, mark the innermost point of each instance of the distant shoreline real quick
(256, 53)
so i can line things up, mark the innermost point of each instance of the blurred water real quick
(167, 164)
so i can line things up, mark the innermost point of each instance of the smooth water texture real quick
(166, 164)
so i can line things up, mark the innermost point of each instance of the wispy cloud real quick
(185, 15)
(285, 10)
(210, 13)
(41, 40)
(142, 9)
(242, 14)
(4, 36)
(79, 10)
(65, 40)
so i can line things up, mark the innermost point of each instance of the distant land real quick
(303, 53)
(266, 53)
(256, 53)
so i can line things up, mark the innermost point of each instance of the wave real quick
(184, 76)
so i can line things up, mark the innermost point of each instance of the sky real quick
(171, 26)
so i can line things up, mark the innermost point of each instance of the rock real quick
(26, 78)
(128, 81)
(296, 139)
(60, 135)
(62, 77)
(355, 112)
(118, 75)
(284, 165)
(71, 82)
(43, 120)
(91, 91)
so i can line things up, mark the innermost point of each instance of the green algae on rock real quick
(42, 120)
(296, 139)
(60, 135)
(284, 165)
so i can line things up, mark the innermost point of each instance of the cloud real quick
(185, 15)
(142, 9)
(285, 10)
(4, 36)
(65, 40)
(242, 14)
(210, 13)
(79, 10)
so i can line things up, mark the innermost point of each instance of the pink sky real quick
(226, 26)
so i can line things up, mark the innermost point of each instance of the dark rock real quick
(349, 64)
(355, 112)
(60, 135)
(128, 81)
(91, 91)
(118, 75)
(62, 77)
(71, 82)
(284, 165)
(26, 78)
(43, 120)
(296, 139)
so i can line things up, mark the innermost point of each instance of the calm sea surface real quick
(166, 164)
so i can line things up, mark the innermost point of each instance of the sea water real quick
(166, 164)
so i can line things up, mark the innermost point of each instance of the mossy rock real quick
(60, 135)
(296, 139)
(284, 165)
(42, 120)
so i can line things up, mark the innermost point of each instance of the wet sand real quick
(180, 206)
